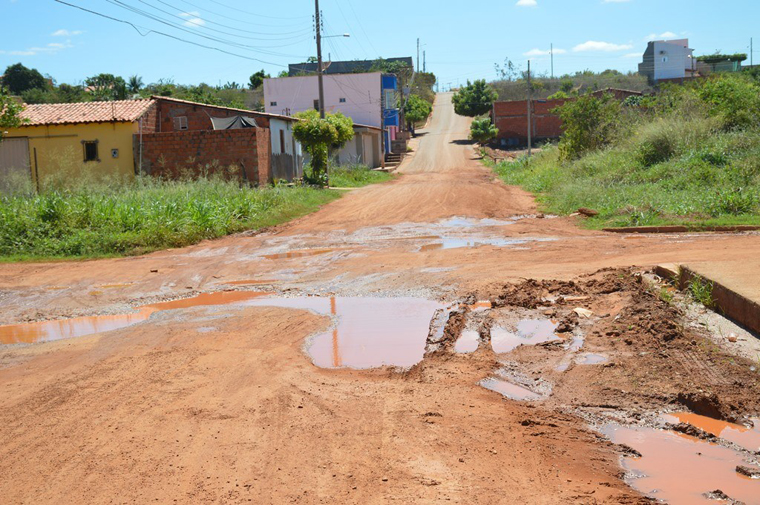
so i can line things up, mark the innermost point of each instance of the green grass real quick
(356, 176)
(102, 220)
(664, 171)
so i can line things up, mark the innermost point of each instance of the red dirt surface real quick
(222, 405)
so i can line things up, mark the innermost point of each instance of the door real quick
(14, 164)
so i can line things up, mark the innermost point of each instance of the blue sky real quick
(463, 40)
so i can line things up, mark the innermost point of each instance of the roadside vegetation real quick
(115, 218)
(688, 155)
(355, 176)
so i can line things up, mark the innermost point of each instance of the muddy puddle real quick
(591, 359)
(509, 389)
(743, 436)
(679, 469)
(367, 332)
(46, 331)
(298, 254)
(445, 243)
(529, 332)
(467, 342)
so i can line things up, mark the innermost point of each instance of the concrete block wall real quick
(171, 154)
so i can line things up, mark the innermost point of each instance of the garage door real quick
(14, 163)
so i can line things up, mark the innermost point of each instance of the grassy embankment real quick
(115, 218)
(148, 214)
(690, 156)
(356, 176)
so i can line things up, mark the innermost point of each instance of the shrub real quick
(474, 99)
(483, 131)
(733, 98)
(589, 123)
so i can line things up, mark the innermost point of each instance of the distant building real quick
(668, 60)
(343, 67)
(370, 99)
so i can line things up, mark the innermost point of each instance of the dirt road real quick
(231, 403)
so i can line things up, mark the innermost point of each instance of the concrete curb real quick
(681, 229)
(733, 305)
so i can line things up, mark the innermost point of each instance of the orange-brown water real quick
(368, 332)
(679, 469)
(45, 331)
(749, 438)
(508, 389)
(529, 332)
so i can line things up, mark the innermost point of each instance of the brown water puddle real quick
(467, 342)
(529, 332)
(368, 333)
(250, 282)
(508, 389)
(591, 359)
(46, 331)
(298, 254)
(680, 469)
(445, 243)
(480, 306)
(749, 438)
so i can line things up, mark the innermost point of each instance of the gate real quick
(286, 167)
(14, 164)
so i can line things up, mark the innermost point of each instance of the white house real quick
(358, 96)
(668, 59)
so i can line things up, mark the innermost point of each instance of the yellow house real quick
(92, 139)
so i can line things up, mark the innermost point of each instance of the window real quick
(90, 150)
(342, 100)
(316, 104)
(273, 104)
(664, 59)
(180, 123)
(390, 99)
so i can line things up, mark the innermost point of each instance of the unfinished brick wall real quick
(150, 119)
(171, 154)
(198, 115)
(511, 118)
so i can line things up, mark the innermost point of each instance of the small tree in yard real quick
(318, 136)
(483, 131)
(10, 112)
(417, 110)
(588, 123)
(475, 99)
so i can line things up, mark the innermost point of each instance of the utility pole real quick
(551, 51)
(530, 114)
(318, 20)
(751, 53)
(424, 61)
(418, 55)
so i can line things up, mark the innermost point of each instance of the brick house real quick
(186, 135)
(511, 118)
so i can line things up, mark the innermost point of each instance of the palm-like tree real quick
(135, 84)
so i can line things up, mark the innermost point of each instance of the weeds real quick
(702, 291)
(109, 219)
(353, 176)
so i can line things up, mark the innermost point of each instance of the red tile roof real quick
(246, 111)
(85, 112)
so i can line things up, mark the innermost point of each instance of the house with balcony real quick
(370, 99)
(668, 60)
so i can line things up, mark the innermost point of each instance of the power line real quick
(180, 39)
(256, 13)
(233, 18)
(300, 32)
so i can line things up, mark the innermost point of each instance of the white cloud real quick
(51, 48)
(632, 55)
(607, 47)
(193, 18)
(661, 36)
(614, 1)
(527, 3)
(542, 52)
(66, 33)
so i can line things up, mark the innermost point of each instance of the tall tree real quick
(107, 87)
(257, 79)
(475, 99)
(10, 112)
(319, 136)
(135, 84)
(18, 79)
